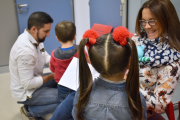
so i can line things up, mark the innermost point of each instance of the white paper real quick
(70, 77)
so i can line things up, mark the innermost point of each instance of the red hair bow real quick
(92, 35)
(120, 34)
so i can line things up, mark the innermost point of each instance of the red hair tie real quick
(120, 34)
(92, 35)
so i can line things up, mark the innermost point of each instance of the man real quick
(38, 93)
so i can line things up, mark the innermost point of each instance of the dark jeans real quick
(64, 110)
(44, 100)
(63, 92)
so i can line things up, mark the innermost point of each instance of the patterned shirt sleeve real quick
(158, 86)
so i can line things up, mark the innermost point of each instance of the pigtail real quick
(85, 80)
(132, 84)
(121, 34)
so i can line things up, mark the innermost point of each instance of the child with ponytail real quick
(111, 96)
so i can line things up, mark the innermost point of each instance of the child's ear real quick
(58, 39)
(74, 37)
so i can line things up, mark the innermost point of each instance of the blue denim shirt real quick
(108, 101)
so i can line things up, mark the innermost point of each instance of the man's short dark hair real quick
(38, 19)
(65, 31)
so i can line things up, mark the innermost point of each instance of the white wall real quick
(82, 18)
(133, 8)
(176, 4)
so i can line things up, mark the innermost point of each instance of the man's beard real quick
(40, 40)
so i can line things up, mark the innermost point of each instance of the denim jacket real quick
(108, 101)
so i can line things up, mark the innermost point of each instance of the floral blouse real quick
(157, 84)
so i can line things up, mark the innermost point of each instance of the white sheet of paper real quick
(70, 77)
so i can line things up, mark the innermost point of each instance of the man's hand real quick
(47, 78)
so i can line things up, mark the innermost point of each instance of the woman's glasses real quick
(150, 22)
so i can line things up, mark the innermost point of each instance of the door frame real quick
(125, 13)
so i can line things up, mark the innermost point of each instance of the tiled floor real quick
(10, 110)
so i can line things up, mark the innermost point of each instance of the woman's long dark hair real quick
(108, 58)
(166, 16)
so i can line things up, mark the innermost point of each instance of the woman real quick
(157, 28)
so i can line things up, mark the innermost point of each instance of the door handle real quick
(23, 5)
